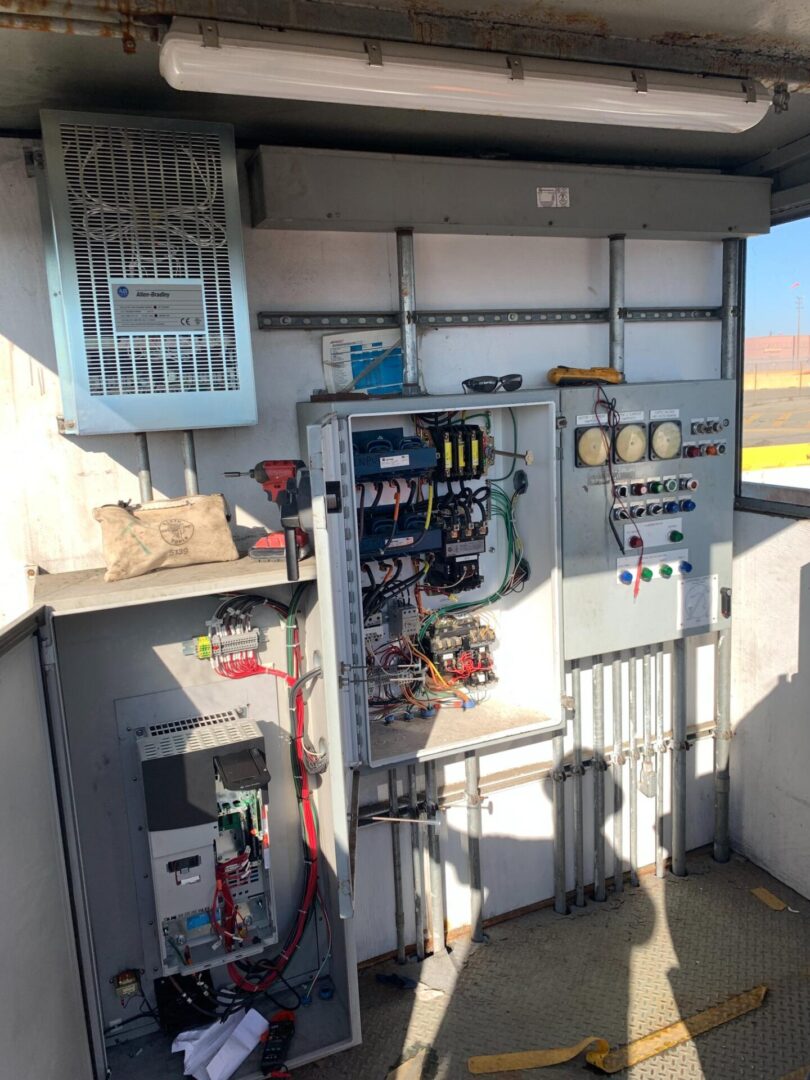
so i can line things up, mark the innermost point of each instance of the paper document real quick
(345, 356)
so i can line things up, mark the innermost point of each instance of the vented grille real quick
(149, 204)
(195, 733)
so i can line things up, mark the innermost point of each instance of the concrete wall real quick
(770, 752)
(51, 482)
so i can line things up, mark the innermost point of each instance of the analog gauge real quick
(631, 443)
(592, 447)
(666, 440)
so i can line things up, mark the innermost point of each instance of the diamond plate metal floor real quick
(620, 969)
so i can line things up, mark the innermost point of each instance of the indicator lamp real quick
(635, 542)
(689, 485)
(685, 567)
(675, 536)
(691, 451)
(626, 578)
(646, 574)
(665, 571)
(638, 489)
(671, 484)
(711, 449)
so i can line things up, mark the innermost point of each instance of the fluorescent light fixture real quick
(225, 58)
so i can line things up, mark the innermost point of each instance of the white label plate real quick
(665, 414)
(152, 306)
(397, 461)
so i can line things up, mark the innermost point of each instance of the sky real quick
(777, 271)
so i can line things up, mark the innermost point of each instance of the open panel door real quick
(341, 629)
(44, 1027)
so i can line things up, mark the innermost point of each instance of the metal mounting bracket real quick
(640, 79)
(374, 53)
(515, 65)
(210, 35)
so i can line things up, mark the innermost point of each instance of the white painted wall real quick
(770, 752)
(51, 482)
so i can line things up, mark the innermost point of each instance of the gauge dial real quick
(666, 440)
(631, 443)
(592, 446)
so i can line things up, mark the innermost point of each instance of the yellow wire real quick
(429, 506)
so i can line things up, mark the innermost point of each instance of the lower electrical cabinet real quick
(177, 790)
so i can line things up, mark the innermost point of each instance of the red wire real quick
(242, 669)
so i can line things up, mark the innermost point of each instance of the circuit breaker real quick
(647, 508)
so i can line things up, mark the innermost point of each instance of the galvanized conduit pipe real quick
(418, 857)
(616, 301)
(598, 677)
(722, 745)
(679, 748)
(472, 776)
(578, 770)
(558, 799)
(632, 708)
(144, 468)
(190, 464)
(435, 857)
(396, 852)
(617, 769)
(659, 761)
(406, 271)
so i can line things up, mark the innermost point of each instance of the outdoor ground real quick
(622, 969)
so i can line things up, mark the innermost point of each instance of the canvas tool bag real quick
(169, 532)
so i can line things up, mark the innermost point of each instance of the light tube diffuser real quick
(252, 62)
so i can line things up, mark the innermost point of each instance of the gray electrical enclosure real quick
(663, 479)
(332, 189)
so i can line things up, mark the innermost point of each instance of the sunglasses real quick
(488, 384)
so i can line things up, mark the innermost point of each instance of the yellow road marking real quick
(775, 457)
(613, 1061)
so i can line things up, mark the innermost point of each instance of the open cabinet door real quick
(341, 627)
(44, 1031)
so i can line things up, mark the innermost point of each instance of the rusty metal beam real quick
(754, 55)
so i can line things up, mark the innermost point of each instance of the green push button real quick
(671, 485)
(675, 537)
(656, 487)
(665, 571)
(646, 574)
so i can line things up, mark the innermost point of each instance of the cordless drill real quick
(287, 484)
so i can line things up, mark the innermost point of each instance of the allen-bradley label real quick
(147, 305)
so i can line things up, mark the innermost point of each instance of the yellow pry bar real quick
(613, 1061)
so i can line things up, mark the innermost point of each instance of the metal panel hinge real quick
(64, 426)
(515, 65)
(210, 35)
(374, 53)
(47, 652)
(34, 160)
(640, 79)
(562, 423)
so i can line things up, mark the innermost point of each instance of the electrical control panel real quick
(647, 495)
(448, 557)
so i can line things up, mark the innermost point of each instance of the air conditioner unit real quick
(146, 273)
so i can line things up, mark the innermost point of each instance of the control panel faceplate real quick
(648, 496)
